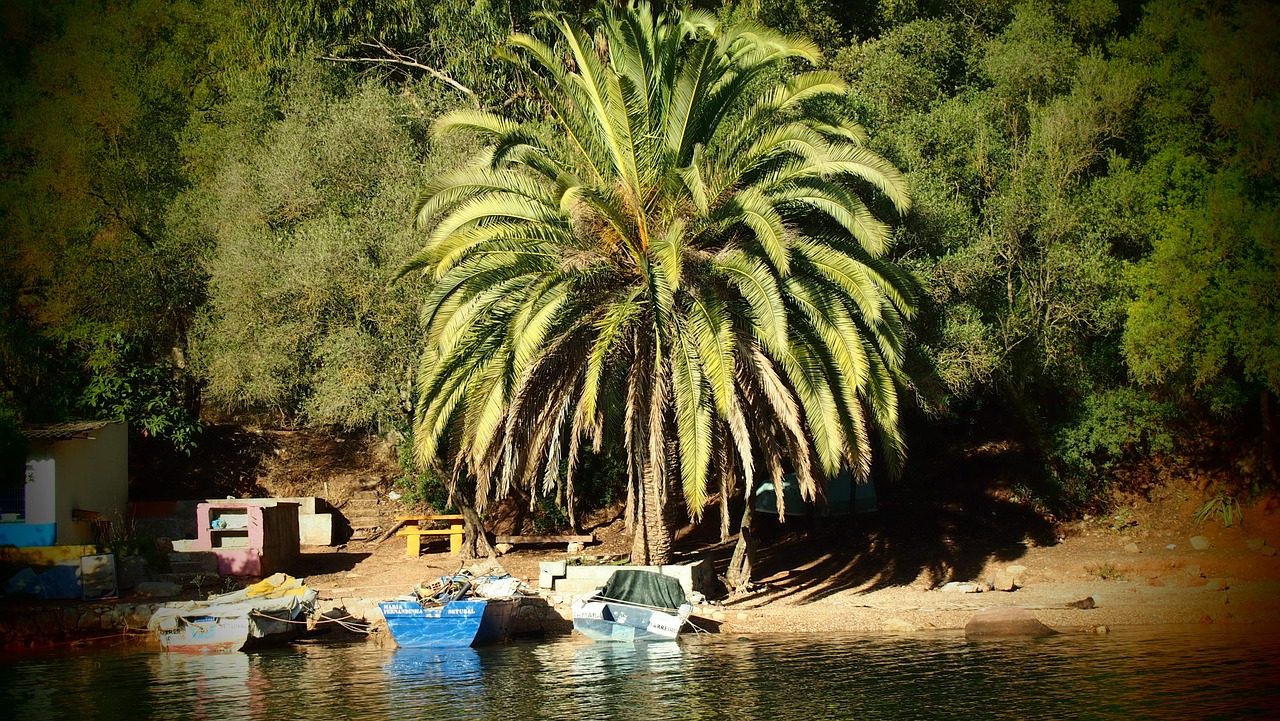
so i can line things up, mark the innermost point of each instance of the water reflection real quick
(209, 685)
(1184, 673)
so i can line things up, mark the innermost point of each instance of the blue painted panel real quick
(455, 624)
(26, 535)
(60, 582)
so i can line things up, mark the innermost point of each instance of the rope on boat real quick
(341, 621)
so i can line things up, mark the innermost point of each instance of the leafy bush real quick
(1110, 428)
(420, 487)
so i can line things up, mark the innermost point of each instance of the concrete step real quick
(361, 509)
(193, 562)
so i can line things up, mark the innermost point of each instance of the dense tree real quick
(690, 272)
(305, 204)
(1205, 314)
(100, 291)
(203, 203)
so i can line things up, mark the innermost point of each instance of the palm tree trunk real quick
(651, 545)
(741, 564)
(475, 544)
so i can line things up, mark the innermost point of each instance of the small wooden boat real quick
(454, 617)
(270, 611)
(633, 605)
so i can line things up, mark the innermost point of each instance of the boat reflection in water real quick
(211, 684)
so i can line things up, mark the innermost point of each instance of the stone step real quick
(191, 569)
(193, 562)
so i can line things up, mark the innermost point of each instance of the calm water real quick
(1217, 672)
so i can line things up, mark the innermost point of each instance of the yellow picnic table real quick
(415, 527)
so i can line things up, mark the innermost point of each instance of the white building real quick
(77, 483)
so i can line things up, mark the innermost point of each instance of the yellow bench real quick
(413, 531)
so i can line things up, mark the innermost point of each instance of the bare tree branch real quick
(394, 57)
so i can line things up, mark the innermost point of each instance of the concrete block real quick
(563, 578)
(315, 529)
(548, 572)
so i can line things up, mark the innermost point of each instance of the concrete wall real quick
(90, 474)
(41, 487)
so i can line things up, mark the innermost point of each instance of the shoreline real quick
(1234, 581)
(52, 625)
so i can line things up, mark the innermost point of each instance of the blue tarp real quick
(843, 496)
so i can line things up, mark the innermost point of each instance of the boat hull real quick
(225, 634)
(616, 621)
(465, 622)
(260, 614)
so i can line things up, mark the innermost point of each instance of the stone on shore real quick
(1256, 544)
(1003, 582)
(1005, 623)
(1200, 543)
(964, 587)
(1132, 548)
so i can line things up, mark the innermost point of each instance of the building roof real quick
(62, 431)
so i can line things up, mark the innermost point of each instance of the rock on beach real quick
(1005, 623)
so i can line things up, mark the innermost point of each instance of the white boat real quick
(633, 605)
(271, 610)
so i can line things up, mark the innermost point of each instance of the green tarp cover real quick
(644, 588)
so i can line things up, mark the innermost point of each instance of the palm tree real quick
(684, 270)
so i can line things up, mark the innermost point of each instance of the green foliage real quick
(1222, 507)
(456, 39)
(420, 487)
(1205, 310)
(306, 212)
(1109, 429)
(1105, 571)
(90, 124)
(123, 383)
(200, 213)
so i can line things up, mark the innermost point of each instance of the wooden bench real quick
(415, 528)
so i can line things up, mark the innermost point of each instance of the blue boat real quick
(464, 622)
(457, 611)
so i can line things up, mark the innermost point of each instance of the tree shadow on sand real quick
(946, 527)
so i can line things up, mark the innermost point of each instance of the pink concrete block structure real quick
(249, 538)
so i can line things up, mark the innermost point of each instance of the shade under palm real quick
(683, 271)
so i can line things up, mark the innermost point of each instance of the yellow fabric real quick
(277, 586)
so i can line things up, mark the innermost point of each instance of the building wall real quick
(41, 497)
(90, 474)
